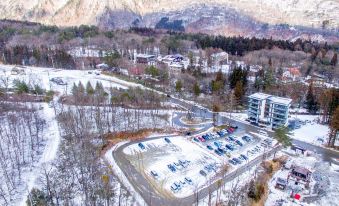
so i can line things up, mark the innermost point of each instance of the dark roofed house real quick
(300, 173)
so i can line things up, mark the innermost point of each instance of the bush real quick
(36, 198)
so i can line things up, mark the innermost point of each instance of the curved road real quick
(152, 197)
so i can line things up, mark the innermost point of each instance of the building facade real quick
(268, 109)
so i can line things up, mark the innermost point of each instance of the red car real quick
(231, 129)
(201, 139)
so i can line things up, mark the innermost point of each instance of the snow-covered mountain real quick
(75, 12)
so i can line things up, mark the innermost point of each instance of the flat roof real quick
(260, 96)
(280, 100)
(145, 55)
(273, 99)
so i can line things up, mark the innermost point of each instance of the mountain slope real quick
(75, 12)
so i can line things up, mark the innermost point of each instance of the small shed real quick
(281, 183)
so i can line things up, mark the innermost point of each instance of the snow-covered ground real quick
(52, 135)
(42, 77)
(45, 155)
(312, 132)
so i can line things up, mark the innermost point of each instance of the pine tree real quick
(196, 89)
(74, 89)
(238, 92)
(311, 103)
(178, 86)
(334, 126)
(281, 135)
(89, 89)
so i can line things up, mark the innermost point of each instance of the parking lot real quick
(179, 166)
(172, 165)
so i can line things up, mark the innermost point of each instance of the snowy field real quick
(43, 76)
(312, 132)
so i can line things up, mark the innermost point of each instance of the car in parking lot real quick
(237, 160)
(217, 144)
(142, 146)
(228, 146)
(209, 147)
(246, 138)
(234, 126)
(195, 139)
(154, 174)
(239, 143)
(232, 138)
(262, 132)
(171, 167)
(232, 162)
(201, 139)
(203, 173)
(188, 180)
(243, 157)
(167, 140)
(218, 152)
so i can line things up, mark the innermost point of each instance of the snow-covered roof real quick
(145, 55)
(273, 99)
(260, 96)
(280, 100)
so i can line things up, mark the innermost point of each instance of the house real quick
(148, 59)
(300, 174)
(268, 109)
(291, 75)
(225, 69)
(102, 66)
(176, 61)
(281, 183)
(218, 58)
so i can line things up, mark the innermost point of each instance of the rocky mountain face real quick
(260, 18)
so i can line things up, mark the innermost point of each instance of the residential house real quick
(291, 75)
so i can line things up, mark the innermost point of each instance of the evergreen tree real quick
(178, 86)
(311, 103)
(196, 89)
(81, 88)
(281, 135)
(238, 92)
(74, 89)
(89, 89)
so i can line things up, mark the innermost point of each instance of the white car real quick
(264, 133)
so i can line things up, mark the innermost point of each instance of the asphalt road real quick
(152, 197)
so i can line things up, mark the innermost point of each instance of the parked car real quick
(201, 139)
(142, 146)
(217, 144)
(195, 139)
(171, 167)
(218, 152)
(167, 140)
(234, 126)
(237, 160)
(229, 147)
(232, 138)
(209, 147)
(203, 173)
(243, 157)
(239, 143)
(154, 174)
(264, 133)
(246, 138)
(232, 162)
(188, 180)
